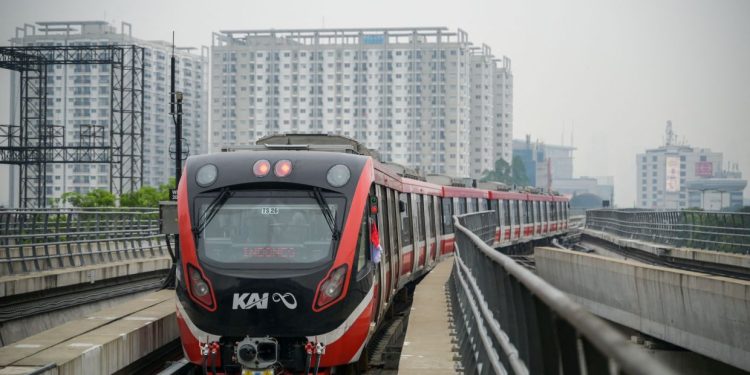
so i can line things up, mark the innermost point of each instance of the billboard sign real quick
(673, 174)
(373, 39)
(704, 169)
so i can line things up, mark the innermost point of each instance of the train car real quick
(292, 252)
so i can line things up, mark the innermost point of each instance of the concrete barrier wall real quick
(730, 259)
(706, 314)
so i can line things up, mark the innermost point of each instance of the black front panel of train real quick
(247, 307)
(270, 298)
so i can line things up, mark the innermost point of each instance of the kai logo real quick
(247, 301)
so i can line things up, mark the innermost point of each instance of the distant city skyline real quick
(611, 72)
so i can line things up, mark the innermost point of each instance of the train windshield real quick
(270, 227)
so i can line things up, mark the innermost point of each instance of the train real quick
(293, 249)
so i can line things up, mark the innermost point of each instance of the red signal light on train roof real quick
(283, 168)
(261, 168)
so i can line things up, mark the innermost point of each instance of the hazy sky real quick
(615, 71)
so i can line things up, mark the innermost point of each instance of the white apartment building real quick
(80, 94)
(491, 110)
(405, 92)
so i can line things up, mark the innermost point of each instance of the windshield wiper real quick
(211, 211)
(326, 213)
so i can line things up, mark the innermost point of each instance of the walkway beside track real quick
(427, 346)
(101, 343)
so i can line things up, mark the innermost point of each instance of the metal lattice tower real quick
(35, 143)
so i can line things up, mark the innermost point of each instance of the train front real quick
(271, 275)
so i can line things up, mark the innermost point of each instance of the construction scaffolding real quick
(34, 143)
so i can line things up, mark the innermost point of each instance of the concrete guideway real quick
(427, 346)
(100, 343)
(11, 285)
(706, 314)
(708, 256)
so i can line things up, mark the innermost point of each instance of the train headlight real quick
(261, 168)
(206, 175)
(331, 287)
(282, 168)
(338, 175)
(199, 287)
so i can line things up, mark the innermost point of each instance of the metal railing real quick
(44, 239)
(719, 231)
(508, 320)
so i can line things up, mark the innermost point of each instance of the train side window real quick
(431, 215)
(447, 215)
(418, 209)
(384, 225)
(462, 206)
(506, 212)
(518, 212)
(508, 206)
(552, 211)
(493, 207)
(393, 219)
(363, 243)
(406, 216)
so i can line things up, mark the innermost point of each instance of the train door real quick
(506, 218)
(432, 208)
(493, 206)
(373, 219)
(446, 245)
(407, 241)
(385, 232)
(555, 218)
(512, 222)
(462, 206)
(521, 217)
(417, 216)
(428, 230)
(393, 225)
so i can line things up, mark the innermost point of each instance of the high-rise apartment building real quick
(409, 93)
(79, 95)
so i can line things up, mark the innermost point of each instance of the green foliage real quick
(94, 198)
(519, 172)
(507, 174)
(147, 196)
(501, 173)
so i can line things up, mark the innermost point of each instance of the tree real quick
(501, 173)
(94, 198)
(519, 172)
(507, 174)
(147, 196)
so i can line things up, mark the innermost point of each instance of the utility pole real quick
(176, 112)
